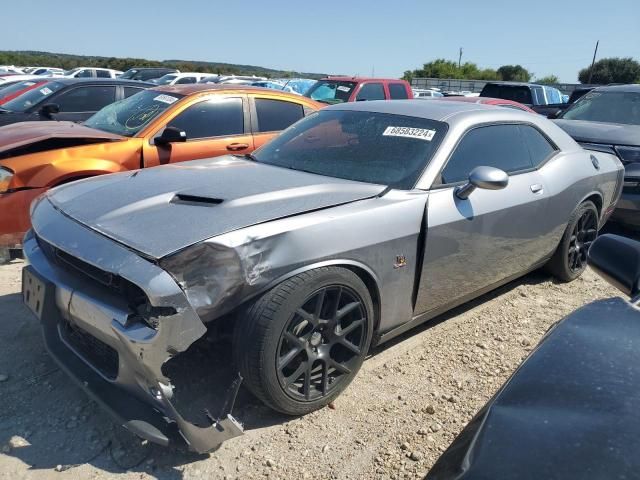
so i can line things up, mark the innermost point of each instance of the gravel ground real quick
(407, 404)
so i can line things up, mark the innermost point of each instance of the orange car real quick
(154, 127)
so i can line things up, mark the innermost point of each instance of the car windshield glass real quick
(167, 79)
(520, 94)
(129, 73)
(330, 91)
(32, 97)
(127, 117)
(609, 107)
(17, 87)
(71, 72)
(370, 147)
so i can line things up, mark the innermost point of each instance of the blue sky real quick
(350, 37)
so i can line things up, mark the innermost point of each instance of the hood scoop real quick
(195, 200)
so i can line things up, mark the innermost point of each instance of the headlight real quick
(629, 154)
(6, 176)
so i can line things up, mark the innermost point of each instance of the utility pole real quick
(460, 58)
(593, 62)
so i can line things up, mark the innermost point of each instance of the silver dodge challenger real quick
(354, 225)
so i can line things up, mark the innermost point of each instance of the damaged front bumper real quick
(111, 319)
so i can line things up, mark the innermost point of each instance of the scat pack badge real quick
(401, 261)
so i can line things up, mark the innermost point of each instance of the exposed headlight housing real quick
(6, 176)
(209, 274)
(628, 154)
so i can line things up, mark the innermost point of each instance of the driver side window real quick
(218, 117)
(498, 146)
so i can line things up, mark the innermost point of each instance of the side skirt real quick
(424, 317)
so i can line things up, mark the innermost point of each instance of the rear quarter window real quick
(397, 91)
(276, 115)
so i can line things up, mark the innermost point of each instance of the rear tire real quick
(301, 344)
(570, 259)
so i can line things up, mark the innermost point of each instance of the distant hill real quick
(67, 61)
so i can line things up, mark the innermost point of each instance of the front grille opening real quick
(94, 351)
(135, 295)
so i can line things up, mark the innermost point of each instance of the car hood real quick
(20, 135)
(598, 132)
(159, 211)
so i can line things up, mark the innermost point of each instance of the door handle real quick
(234, 147)
(536, 188)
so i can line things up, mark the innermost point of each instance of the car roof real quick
(154, 68)
(516, 84)
(193, 88)
(360, 79)
(448, 112)
(113, 81)
(487, 101)
(630, 88)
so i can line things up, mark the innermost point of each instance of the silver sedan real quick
(354, 225)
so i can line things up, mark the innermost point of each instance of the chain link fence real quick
(475, 86)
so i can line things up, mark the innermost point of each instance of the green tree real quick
(548, 80)
(612, 70)
(514, 73)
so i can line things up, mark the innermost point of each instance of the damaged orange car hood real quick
(19, 135)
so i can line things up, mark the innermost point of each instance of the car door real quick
(79, 103)
(473, 245)
(214, 126)
(269, 116)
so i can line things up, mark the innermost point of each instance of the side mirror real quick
(49, 109)
(617, 260)
(171, 135)
(488, 178)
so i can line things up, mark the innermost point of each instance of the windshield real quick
(330, 91)
(71, 72)
(520, 94)
(33, 97)
(14, 88)
(370, 147)
(127, 117)
(129, 74)
(167, 79)
(608, 107)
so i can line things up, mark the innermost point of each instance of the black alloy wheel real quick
(583, 235)
(322, 343)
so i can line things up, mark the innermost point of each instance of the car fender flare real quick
(589, 196)
(373, 285)
(85, 168)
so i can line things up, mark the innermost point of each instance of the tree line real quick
(67, 62)
(605, 71)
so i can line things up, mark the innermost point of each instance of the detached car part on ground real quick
(354, 225)
(607, 119)
(153, 127)
(571, 410)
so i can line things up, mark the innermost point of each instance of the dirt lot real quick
(408, 403)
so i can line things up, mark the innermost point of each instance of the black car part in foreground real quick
(571, 410)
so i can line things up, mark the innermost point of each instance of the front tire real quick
(301, 344)
(570, 259)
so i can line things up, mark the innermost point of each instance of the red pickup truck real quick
(355, 89)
